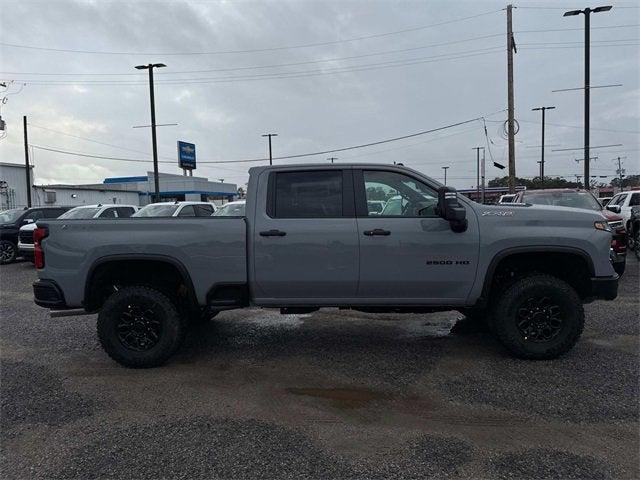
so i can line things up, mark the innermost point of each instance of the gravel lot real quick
(332, 394)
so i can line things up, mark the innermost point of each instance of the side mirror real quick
(451, 210)
(614, 208)
(27, 221)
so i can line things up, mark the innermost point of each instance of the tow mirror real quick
(614, 208)
(451, 210)
(27, 221)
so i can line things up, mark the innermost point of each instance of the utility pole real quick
(331, 159)
(540, 170)
(511, 48)
(543, 109)
(154, 142)
(482, 177)
(270, 155)
(587, 81)
(620, 170)
(26, 161)
(445, 174)
(477, 149)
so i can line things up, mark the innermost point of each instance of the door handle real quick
(377, 231)
(273, 233)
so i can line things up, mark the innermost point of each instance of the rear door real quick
(306, 242)
(125, 212)
(408, 253)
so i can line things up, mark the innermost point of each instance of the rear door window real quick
(635, 200)
(308, 194)
(187, 211)
(204, 210)
(108, 213)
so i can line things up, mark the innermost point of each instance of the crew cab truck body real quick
(308, 241)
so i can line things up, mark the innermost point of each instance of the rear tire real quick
(8, 252)
(538, 317)
(140, 327)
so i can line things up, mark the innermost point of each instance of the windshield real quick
(78, 213)
(582, 200)
(156, 211)
(10, 216)
(231, 210)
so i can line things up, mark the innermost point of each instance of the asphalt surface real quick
(334, 394)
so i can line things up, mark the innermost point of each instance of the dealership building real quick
(137, 190)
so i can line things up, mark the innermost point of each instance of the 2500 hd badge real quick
(448, 262)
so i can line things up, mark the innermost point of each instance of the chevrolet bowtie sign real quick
(186, 155)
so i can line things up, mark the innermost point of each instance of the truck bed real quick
(212, 249)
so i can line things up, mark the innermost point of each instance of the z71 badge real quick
(498, 213)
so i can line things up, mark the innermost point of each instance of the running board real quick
(68, 313)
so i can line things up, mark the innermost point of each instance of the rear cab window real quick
(307, 194)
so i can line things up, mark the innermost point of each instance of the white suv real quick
(625, 200)
(177, 209)
(25, 236)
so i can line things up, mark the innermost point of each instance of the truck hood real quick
(538, 214)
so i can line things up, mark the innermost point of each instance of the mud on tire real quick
(140, 327)
(538, 317)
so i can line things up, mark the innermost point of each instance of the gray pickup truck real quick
(309, 240)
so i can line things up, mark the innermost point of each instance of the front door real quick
(407, 252)
(306, 241)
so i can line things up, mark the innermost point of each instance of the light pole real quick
(587, 97)
(542, 109)
(154, 143)
(270, 155)
(331, 159)
(445, 174)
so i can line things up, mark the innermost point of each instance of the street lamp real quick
(587, 25)
(154, 142)
(543, 109)
(270, 135)
(445, 174)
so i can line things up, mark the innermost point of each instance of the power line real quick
(257, 50)
(324, 152)
(578, 29)
(282, 75)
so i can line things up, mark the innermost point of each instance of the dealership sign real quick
(186, 155)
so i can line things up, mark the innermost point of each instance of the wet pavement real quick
(332, 394)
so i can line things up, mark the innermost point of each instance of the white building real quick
(123, 190)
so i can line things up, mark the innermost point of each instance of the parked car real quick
(633, 233)
(576, 198)
(25, 236)
(308, 241)
(231, 209)
(507, 198)
(177, 209)
(623, 202)
(10, 222)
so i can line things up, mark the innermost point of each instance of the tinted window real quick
(621, 199)
(635, 200)
(52, 212)
(308, 194)
(187, 211)
(124, 212)
(35, 215)
(203, 210)
(80, 212)
(108, 213)
(403, 195)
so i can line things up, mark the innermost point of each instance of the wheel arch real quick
(155, 263)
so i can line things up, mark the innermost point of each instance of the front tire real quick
(539, 317)
(8, 252)
(140, 327)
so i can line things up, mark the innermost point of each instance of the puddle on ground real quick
(273, 318)
(345, 398)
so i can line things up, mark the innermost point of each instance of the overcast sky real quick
(398, 84)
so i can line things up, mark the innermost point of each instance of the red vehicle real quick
(577, 198)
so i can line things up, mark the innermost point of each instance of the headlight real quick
(602, 225)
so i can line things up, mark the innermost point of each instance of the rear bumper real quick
(26, 247)
(604, 288)
(47, 294)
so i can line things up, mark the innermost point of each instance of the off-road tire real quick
(165, 314)
(505, 317)
(8, 252)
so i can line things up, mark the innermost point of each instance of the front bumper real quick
(604, 288)
(47, 294)
(25, 248)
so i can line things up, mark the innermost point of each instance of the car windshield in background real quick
(156, 211)
(231, 210)
(582, 200)
(10, 216)
(77, 213)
